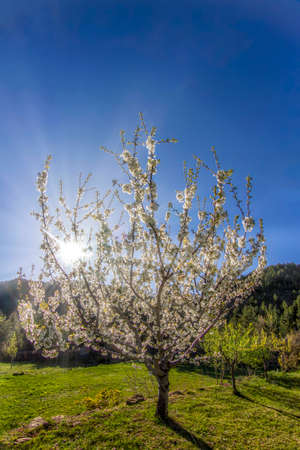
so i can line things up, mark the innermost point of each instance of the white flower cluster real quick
(127, 188)
(189, 194)
(248, 224)
(180, 196)
(150, 144)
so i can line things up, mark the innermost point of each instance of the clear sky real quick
(208, 72)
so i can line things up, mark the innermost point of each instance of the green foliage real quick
(235, 344)
(269, 318)
(106, 398)
(262, 348)
(284, 323)
(231, 344)
(12, 337)
(289, 347)
(12, 346)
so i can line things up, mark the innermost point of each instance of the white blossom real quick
(150, 144)
(127, 188)
(248, 224)
(241, 241)
(180, 196)
(126, 155)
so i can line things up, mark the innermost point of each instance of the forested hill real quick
(280, 283)
(8, 296)
(276, 303)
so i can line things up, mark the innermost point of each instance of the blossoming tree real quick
(151, 293)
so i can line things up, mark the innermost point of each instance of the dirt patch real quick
(171, 394)
(37, 423)
(22, 440)
(138, 398)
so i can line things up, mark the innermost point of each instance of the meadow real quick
(204, 414)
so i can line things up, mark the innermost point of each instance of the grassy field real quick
(266, 416)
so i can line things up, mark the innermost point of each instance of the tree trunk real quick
(265, 370)
(222, 373)
(216, 371)
(235, 391)
(163, 394)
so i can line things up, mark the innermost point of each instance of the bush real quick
(289, 356)
(104, 399)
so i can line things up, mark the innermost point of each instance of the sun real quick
(71, 252)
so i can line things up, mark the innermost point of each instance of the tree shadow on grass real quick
(191, 368)
(207, 370)
(179, 429)
(284, 413)
(285, 398)
(285, 381)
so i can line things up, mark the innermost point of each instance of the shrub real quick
(106, 398)
(289, 356)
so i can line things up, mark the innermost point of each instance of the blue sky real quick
(210, 72)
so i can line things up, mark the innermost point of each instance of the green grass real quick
(266, 416)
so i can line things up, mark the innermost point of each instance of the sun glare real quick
(71, 252)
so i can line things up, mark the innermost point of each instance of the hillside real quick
(8, 296)
(281, 283)
(276, 303)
